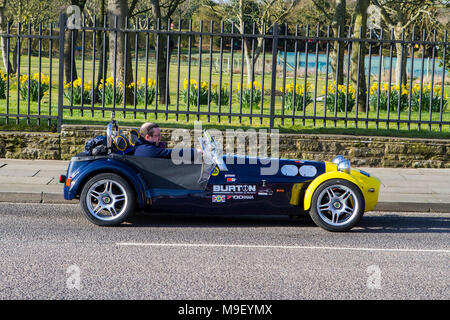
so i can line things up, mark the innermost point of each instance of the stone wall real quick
(361, 150)
(26, 145)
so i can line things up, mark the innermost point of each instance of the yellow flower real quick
(77, 83)
(256, 85)
(192, 83)
(204, 85)
(23, 78)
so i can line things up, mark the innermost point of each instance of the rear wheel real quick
(337, 205)
(107, 199)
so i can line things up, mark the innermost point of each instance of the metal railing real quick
(273, 77)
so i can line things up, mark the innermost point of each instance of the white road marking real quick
(208, 245)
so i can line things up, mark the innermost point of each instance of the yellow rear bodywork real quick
(369, 186)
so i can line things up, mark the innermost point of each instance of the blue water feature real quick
(374, 69)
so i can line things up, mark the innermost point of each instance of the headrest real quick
(124, 143)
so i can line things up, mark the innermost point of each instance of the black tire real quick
(117, 197)
(330, 202)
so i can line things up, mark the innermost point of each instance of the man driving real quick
(149, 144)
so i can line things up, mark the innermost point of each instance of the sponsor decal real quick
(218, 198)
(240, 197)
(235, 189)
(215, 172)
(230, 176)
(231, 179)
(307, 171)
(265, 192)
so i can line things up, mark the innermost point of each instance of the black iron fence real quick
(270, 76)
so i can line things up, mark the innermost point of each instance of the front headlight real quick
(344, 166)
(338, 159)
(342, 163)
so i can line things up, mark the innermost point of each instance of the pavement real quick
(402, 190)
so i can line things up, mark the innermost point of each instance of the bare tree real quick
(70, 67)
(358, 53)
(162, 11)
(337, 18)
(117, 13)
(401, 15)
(103, 61)
(3, 24)
(264, 14)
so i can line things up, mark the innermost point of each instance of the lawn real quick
(174, 114)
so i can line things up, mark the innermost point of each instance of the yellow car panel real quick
(369, 186)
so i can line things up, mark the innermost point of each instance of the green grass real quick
(171, 120)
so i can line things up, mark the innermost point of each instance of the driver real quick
(149, 143)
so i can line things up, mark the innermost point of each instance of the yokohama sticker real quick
(241, 197)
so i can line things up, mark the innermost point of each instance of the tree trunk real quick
(400, 66)
(162, 55)
(118, 9)
(5, 53)
(337, 55)
(99, 49)
(162, 69)
(358, 53)
(248, 62)
(70, 68)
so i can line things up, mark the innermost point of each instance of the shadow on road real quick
(204, 221)
(391, 223)
(386, 223)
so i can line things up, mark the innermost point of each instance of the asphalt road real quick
(52, 252)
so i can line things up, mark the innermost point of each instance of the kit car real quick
(114, 184)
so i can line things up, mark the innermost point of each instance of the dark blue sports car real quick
(112, 184)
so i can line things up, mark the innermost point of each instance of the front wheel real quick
(337, 205)
(107, 199)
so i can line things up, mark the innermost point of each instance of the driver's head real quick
(150, 131)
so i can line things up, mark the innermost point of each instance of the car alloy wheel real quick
(107, 199)
(337, 205)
